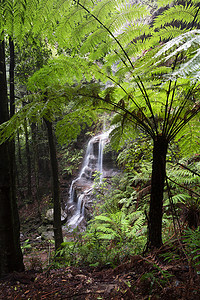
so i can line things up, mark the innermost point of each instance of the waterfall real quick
(82, 185)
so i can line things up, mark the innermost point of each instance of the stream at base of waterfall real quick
(81, 187)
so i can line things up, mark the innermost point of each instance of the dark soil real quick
(139, 278)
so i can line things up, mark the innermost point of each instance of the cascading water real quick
(82, 185)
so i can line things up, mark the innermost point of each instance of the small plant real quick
(192, 240)
(26, 245)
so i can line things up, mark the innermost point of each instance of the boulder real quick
(48, 219)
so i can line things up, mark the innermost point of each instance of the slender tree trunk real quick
(19, 149)
(19, 170)
(36, 164)
(56, 190)
(10, 252)
(11, 73)
(157, 189)
(28, 161)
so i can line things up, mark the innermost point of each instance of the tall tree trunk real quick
(36, 164)
(157, 189)
(56, 190)
(28, 161)
(10, 252)
(19, 170)
(13, 170)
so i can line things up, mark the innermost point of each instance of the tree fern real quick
(162, 119)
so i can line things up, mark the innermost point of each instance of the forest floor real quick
(140, 278)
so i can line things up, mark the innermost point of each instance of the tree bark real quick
(36, 165)
(28, 162)
(13, 168)
(10, 252)
(56, 190)
(157, 189)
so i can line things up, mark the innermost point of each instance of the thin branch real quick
(182, 186)
(132, 99)
(192, 25)
(170, 108)
(140, 123)
(146, 97)
(178, 112)
(183, 123)
(193, 172)
(167, 112)
(173, 208)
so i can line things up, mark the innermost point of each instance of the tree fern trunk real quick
(157, 189)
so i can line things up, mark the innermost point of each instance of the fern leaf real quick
(188, 139)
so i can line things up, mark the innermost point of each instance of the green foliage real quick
(105, 38)
(186, 44)
(71, 160)
(135, 152)
(188, 138)
(26, 245)
(72, 123)
(184, 173)
(67, 254)
(118, 227)
(29, 58)
(116, 231)
(25, 16)
(188, 246)
(95, 247)
(111, 196)
(155, 279)
(60, 72)
(192, 240)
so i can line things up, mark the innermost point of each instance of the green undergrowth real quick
(119, 224)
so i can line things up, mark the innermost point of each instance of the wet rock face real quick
(81, 196)
(96, 147)
(109, 160)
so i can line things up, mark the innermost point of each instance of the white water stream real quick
(81, 187)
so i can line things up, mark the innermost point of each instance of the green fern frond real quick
(70, 126)
(180, 198)
(117, 136)
(176, 13)
(167, 33)
(182, 176)
(188, 138)
(188, 45)
(103, 22)
(161, 3)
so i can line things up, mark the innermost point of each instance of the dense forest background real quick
(70, 69)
